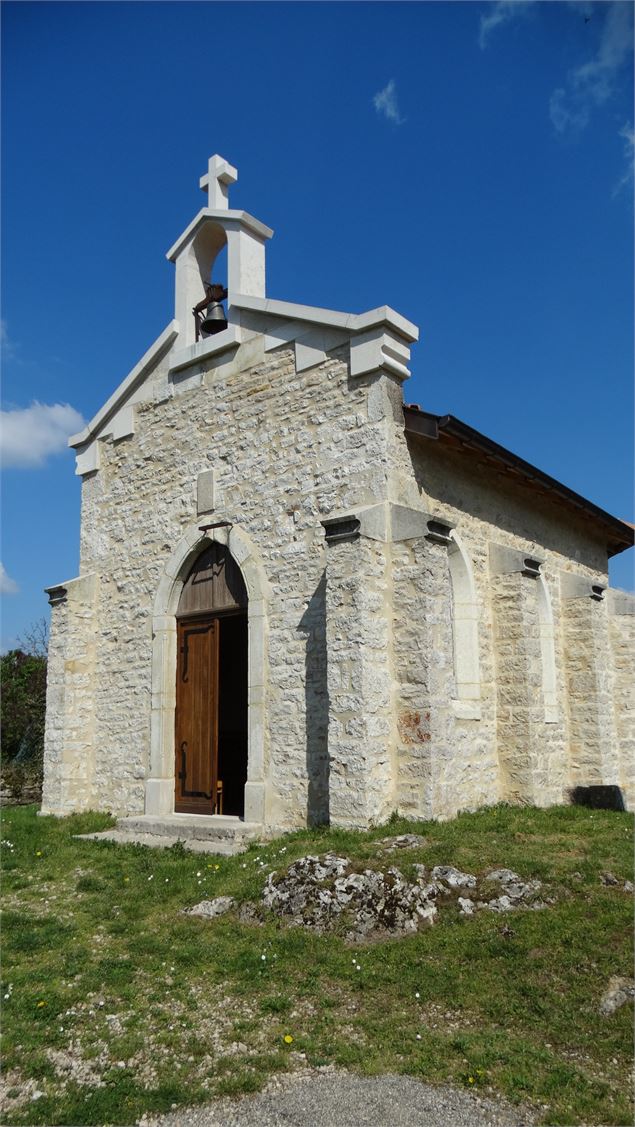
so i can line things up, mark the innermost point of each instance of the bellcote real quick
(379, 340)
(195, 252)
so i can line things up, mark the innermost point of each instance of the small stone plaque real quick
(206, 492)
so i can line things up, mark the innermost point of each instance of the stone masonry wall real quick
(443, 762)
(287, 449)
(520, 704)
(69, 760)
(361, 708)
(593, 750)
(517, 727)
(360, 737)
(621, 607)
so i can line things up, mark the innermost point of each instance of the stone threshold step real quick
(226, 847)
(216, 827)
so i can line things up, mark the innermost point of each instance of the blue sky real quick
(469, 164)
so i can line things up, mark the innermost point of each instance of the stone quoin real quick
(301, 600)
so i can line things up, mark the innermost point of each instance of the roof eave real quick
(423, 424)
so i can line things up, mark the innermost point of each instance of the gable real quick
(379, 340)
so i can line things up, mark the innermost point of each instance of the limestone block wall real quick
(522, 742)
(69, 761)
(621, 612)
(403, 669)
(287, 449)
(446, 745)
(520, 706)
(358, 634)
(593, 750)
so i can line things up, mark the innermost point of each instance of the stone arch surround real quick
(465, 641)
(547, 651)
(159, 786)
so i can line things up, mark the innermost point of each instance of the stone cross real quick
(220, 174)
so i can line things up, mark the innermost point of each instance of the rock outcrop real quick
(326, 893)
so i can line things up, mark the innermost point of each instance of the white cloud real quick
(499, 13)
(385, 101)
(29, 435)
(564, 115)
(8, 346)
(592, 83)
(627, 133)
(8, 586)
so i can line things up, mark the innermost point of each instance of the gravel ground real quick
(331, 1098)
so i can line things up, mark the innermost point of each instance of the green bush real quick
(23, 706)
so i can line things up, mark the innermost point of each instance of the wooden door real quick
(196, 732)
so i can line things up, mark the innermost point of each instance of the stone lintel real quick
(506, 561)
(378, 350)
(223, 217)
(386, 522)
(56, 594)
(407, 523)
(580, 587)
(439, 531)
(79, 590)
(337, 529)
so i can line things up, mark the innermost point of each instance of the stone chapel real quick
(302, 600)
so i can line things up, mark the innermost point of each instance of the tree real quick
(23, 673)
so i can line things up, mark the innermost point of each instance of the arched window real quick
(547, 652)
(466, 703)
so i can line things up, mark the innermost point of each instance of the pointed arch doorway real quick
(211, 730)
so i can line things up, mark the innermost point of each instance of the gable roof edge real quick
(127, 386)
(621, 534)
(350, 322)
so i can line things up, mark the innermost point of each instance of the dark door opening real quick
(232, 712)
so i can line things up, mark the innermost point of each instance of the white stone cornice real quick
(351, 322)
(209, 346)
(223, 216)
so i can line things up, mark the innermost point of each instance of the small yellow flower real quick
(126, 878)
(40, 1004)
(288, 1038)
(470, 1079)
(38, 853)
(217, 866)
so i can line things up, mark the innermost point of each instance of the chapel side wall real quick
(445, 762)
(287, 449)
(69, 748)
(485, 510)
(621, 610)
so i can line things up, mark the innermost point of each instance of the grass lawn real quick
(115, 1004)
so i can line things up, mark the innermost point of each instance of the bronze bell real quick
(214, 320)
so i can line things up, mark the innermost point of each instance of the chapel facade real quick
(301, 600)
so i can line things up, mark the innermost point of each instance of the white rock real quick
(452, 877)
(211, 908)
(619, 991)
(501, 904)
